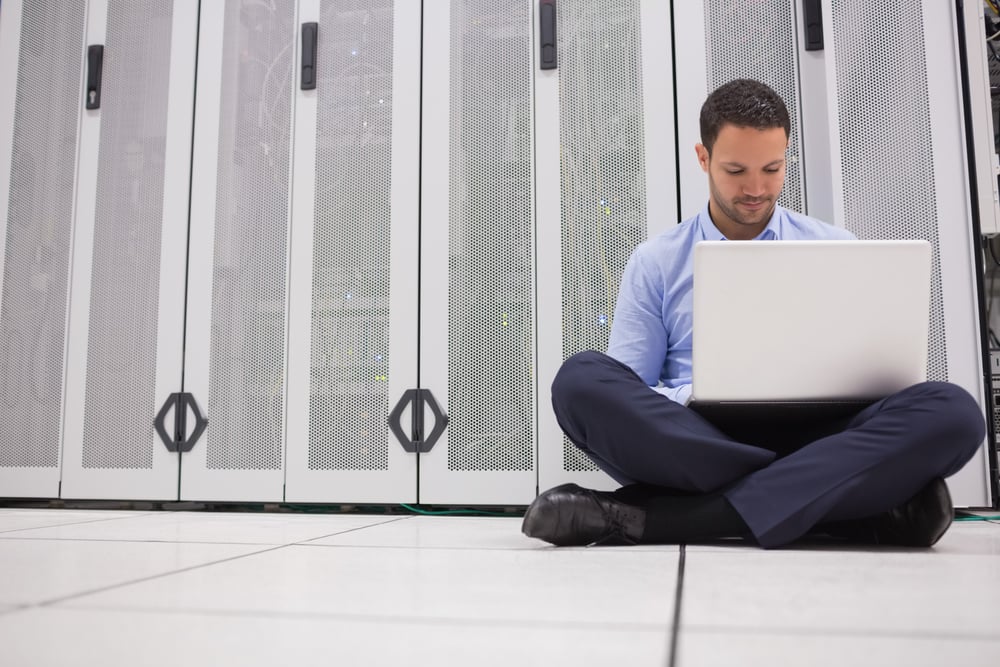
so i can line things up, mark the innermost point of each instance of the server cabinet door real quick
(877, 143)
(234, 364)
(352, 348)
(898, 169)
(127, 288)
(41, 44)
(606, 174)
(477, 340)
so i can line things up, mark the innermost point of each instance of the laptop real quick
(834, 325)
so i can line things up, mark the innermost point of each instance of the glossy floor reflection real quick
(166, 588)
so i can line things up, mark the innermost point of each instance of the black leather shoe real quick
(919, 522)
(569, 515)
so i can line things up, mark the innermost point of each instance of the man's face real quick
(746, 171)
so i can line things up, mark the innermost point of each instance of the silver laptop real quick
(808, 321)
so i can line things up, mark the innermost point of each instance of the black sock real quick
(680, 520)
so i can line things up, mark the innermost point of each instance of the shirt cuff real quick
(681, 394)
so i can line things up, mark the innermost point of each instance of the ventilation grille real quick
(125, 279)
(38, 234)
(349, 404)
(883, 101)
(756, 40)
(491, 243)
(603, 182)
(247, 366)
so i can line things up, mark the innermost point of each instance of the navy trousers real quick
(782, 480)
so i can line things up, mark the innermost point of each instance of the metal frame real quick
(987, 162)
(160, 481)
(661, 214)
(18, 481)
(197, 480)
(438, 484)
(398, 483)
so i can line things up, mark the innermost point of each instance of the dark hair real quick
(744, 103)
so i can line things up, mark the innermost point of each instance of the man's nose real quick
(753, 186)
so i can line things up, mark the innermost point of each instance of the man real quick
(873, 477)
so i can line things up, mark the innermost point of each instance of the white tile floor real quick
(110, 588)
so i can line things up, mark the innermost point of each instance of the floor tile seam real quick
(160, 575)
(76, 523)
(13, 609)
(309, 543)
(125, 540)
(397, 619)
(533, 548)
(788, 553)
(350, 530)
(675, 624)
(792, 631)
(304, 542)
(410, 547)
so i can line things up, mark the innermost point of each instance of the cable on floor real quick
(966, 516)
(423, 512)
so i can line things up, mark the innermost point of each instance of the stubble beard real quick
(731, 211)
(745, 220)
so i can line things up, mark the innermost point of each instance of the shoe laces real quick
(614, 512)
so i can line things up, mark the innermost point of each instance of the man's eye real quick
(734, 171)
(775, 170)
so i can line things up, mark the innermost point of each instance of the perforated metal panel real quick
(491, 241)
(883, 105)
(756, 40)
(39, 219)
(349, 403)
(603, 182)
(124, 297)
(247, 367)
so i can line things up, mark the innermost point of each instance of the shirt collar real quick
(772, 232)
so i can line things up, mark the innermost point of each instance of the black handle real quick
(812, 21)
(405, 441)
(440, 419)
(180, 441)
(95, 65)
(416, 399)
(547, 30)
(309, 33)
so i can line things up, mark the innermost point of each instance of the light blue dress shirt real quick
(651, 332)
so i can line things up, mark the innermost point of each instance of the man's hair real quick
(744, 103)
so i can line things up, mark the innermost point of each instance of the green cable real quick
(417, 510)
(976, 517)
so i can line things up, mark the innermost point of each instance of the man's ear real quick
(703, 156)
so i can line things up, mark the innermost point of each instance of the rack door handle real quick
(440, 419)
(309, 34)
(415, 442)
(179, 440)
(547, 34)
(812, 23)
(95, 67)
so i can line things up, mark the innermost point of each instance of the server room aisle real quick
(109, 588)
